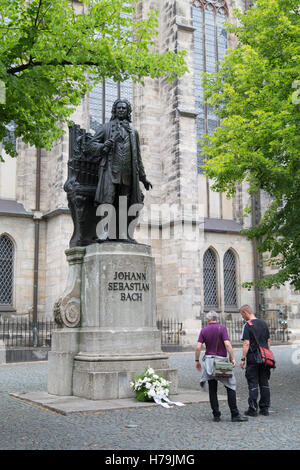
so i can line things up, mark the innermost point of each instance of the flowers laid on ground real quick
(150, 385)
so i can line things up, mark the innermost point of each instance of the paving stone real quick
(26, 426)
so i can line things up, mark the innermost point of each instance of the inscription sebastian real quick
(131, 285)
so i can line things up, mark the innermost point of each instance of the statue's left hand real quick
(147, 185)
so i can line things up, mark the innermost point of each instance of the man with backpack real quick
(255, 336)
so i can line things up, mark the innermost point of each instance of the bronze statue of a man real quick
(117, 145)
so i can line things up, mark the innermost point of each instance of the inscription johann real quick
(132, 291)
(128, 276)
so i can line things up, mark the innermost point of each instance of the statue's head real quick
(118, 103)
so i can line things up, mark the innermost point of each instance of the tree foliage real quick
(255, 94)
(50, 50)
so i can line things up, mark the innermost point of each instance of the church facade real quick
(201, 256)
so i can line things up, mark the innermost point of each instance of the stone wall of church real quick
(221, 242)
(59, 230)
(8, 177)
(26, 175)
(21, 232)
(165, 117)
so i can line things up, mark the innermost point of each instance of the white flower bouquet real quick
(150, 386)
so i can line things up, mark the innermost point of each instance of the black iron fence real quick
(278, 331)
(171, 331)
(25, 333)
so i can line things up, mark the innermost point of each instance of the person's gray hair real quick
(212, 316)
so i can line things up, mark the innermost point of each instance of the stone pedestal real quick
(116, 336)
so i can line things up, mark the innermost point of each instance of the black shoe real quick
(264, 412)
(216, 419)
(250, 413)
(239, 419)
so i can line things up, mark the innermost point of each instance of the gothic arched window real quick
(230, 276)
(6, 270)
(102, 97)
(210, 279)
(210, 43)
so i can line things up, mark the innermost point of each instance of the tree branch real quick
(31, 64)
(38, 12)
(42, 18)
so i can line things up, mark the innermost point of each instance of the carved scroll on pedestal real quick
(67, 310)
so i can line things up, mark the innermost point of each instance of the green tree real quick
(50, 53)
(255, 94)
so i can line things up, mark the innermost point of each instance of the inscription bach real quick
(131, 285)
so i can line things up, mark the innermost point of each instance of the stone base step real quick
(112, 385)
(68, 405)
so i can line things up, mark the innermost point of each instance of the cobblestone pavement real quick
(26, 426)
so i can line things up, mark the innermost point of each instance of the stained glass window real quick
(102, 97)
(210, 279)
(6, 270)
(230, 285)
(210, 43)
(104, 94)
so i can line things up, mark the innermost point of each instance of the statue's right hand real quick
(117, 136)
(108, 145)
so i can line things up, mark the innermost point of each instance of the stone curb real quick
(67, 405)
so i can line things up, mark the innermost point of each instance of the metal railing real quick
(278, 331)
(25, 333)
(171, 331)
